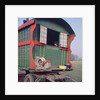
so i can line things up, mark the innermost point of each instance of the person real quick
(56, 43)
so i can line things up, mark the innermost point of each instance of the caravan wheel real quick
(29, 78)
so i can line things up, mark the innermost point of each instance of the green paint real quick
(24, 34)
(51, 53)
(52, 25)
(24, 52)
(36, 33)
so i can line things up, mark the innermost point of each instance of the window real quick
(52, 37)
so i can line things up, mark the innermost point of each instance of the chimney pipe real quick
(26, 20)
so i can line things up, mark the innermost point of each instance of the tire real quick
(65, 80)
(27, 72)
(29, 78)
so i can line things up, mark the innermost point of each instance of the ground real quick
(76, 74)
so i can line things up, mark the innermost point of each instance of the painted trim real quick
(32, 63)
(24, 43)
(26, 24)
(65, 49)
(71, 37)
(38, 43)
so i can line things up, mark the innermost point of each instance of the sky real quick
(76, 24)
(76, 45)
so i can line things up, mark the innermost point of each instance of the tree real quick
(74, 57)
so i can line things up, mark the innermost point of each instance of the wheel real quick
(64, 80)
(29, 78)
(27, 71)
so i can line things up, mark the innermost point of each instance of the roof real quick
(61, 22)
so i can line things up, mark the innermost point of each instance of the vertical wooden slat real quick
(35, 51)
(43, 51)
(23, 35)
(24, 56)
(20, 56)
(19, 36)
(26, 34)
(40, 51)
(64, 57)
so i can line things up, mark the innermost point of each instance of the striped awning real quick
(43, 34)
(63, 40)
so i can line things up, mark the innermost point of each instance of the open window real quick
(49, 36)
(52, 37)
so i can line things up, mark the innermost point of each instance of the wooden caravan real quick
(44, 37)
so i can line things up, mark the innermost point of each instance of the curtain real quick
(43, 34)
(63, 40)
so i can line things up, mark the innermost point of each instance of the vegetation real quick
(74, 57)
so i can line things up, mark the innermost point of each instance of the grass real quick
(76, 74)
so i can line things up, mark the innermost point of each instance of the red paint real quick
(24, 43)
(38, 43)
(26, 24)
(64, 49)
(46, 62)
(32, 63)
(71, 37)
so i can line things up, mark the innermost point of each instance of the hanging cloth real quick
(63, 40)
(43, 34)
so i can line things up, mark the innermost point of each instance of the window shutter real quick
(63, 40)
(43, 34)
